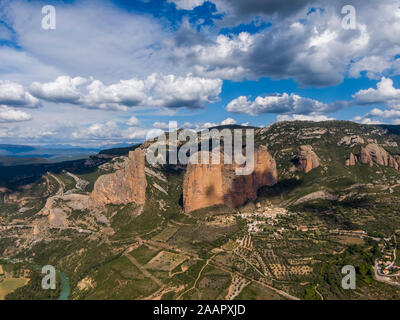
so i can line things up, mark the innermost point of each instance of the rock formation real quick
(207, 185)
(351, 161)
(351, 141)
(123, 186)
(307, 159)
(373, 153)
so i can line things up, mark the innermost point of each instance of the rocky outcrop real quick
(351, 161)
(59, 207)
(306, 160)
(207, 185)
(123, 186)
(350, 141)
(373, 153)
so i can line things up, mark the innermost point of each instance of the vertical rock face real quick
(351, 161)
(207, 185)
(374, 153)
(307, 159)
(123, 186)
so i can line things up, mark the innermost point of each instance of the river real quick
(65, 287)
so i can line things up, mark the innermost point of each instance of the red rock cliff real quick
(123, 186)
(373, 153)
(307, 159)
(207, 185)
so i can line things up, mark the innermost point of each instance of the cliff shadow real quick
(280, 189)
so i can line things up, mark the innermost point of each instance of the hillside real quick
(320, 213)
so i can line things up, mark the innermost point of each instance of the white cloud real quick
(311, 48)
(279, 103)
(8, 114)
(160, 125)
(366, 120)
(111, 131)
(63, 90)
(302, 117)
(183, 91)
(228, 121)
(187, 4)
(141, 134)
(92, 38)
(387, 114)
(133, 122)
(385, 93)
(14, 94)
(155, 91)
(379, 116)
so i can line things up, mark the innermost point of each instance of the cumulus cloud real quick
(279, 103)
(112, 131)
(63, 90)
(160, 125)
(155, 91)
(366, 120)
(311, 47)
(387, 114)
(13, 94)
(196, 126)
(133, 122)
(379, 116)
(302, 117)
(8, 114)
(141, 134)
(384, 93)
(228, 121)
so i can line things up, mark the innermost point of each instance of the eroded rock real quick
(307, 159)
(123, 186)
(207, 185)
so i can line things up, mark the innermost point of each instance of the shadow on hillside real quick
(282, 188)
(17, 176)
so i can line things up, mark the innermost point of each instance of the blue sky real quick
(117, 71)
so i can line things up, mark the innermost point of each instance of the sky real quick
(113, 72)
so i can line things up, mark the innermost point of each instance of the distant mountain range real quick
(11, 155)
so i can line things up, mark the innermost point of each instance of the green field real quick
(10, 285)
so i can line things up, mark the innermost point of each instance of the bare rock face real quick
(307, 159)
(393, 163)
(351, 141)
(123, 186)
(351, 161)
(207, 185)
(373, 153)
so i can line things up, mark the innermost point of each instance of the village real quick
(263, 215)
(386, 265)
